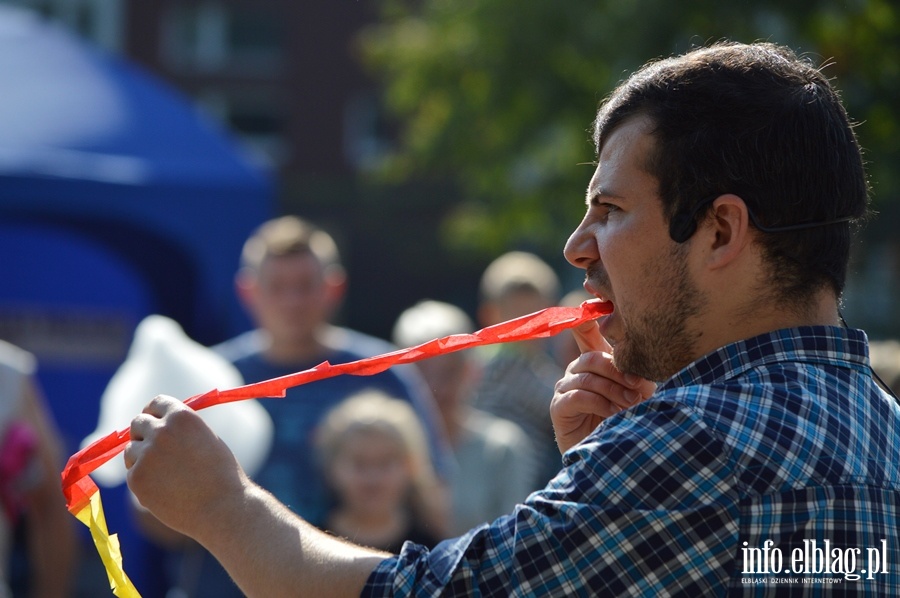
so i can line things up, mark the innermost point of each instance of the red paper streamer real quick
(78, 488)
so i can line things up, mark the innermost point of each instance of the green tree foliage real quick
(495, 97)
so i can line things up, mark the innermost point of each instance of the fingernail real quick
(632, 396)
(632, 379)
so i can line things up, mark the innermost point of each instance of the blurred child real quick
(374, 456)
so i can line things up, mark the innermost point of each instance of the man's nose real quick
(581, 248)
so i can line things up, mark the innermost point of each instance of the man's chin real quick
(627, 362)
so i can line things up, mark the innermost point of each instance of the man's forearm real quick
(269, 551)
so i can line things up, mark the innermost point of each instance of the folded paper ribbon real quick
(82, 495)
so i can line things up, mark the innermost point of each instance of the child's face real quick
(371, 473)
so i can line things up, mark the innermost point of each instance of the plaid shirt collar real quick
(823, 345)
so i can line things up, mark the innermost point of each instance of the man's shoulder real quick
(246, 344)
(734, 410)
(658, 454)
(354, 343)
(779, 428)
(666, 415)
(689, 417)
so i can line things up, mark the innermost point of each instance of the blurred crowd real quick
(418, 453)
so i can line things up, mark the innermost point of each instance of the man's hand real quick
(186, 476)
(178, 468)
(592, 389)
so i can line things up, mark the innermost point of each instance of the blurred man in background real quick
(493, 455)
(291, 281)
(518, 379)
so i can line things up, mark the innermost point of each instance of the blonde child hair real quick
(376, 411)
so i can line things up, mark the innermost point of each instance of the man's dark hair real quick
(759, 122)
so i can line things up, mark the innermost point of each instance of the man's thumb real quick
(588, 338)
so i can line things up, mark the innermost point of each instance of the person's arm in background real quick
(50, 533)
(189, 479)
(515, 473)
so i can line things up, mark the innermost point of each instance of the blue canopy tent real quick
(117, 200)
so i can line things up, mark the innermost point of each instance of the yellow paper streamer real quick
(108, 547)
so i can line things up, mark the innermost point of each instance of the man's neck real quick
(294, 351)
(765, 316)
(821, 310)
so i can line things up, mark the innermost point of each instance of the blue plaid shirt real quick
(769, 467)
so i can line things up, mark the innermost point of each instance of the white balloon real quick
(163, 360)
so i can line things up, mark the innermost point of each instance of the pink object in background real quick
(16, 451)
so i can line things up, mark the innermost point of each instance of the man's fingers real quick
(140, 426)
(589, 341)
(595, 371)
(588, 338)
(600, 363)
(143, 424)
(140, 430)
(592, 389)
(161, 405)
(608, 389)
(582, 402)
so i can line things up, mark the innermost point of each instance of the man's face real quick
(624, 246)
(290, 297)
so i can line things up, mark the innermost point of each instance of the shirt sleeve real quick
(646, 505)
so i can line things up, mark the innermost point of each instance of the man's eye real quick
(605, 209)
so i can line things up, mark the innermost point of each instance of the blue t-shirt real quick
(291, 472)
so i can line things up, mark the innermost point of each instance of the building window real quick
(256, 119)
(215, 38)
(100, 21)
(367, 133)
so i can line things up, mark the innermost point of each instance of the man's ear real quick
(488, 314)
(245, 288)
(335, 286)
(726, 229)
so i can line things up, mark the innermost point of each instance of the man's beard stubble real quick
(657, 344)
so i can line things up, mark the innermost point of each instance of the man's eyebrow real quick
(599, 193)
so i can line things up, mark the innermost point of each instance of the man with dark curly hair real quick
(765, 463)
